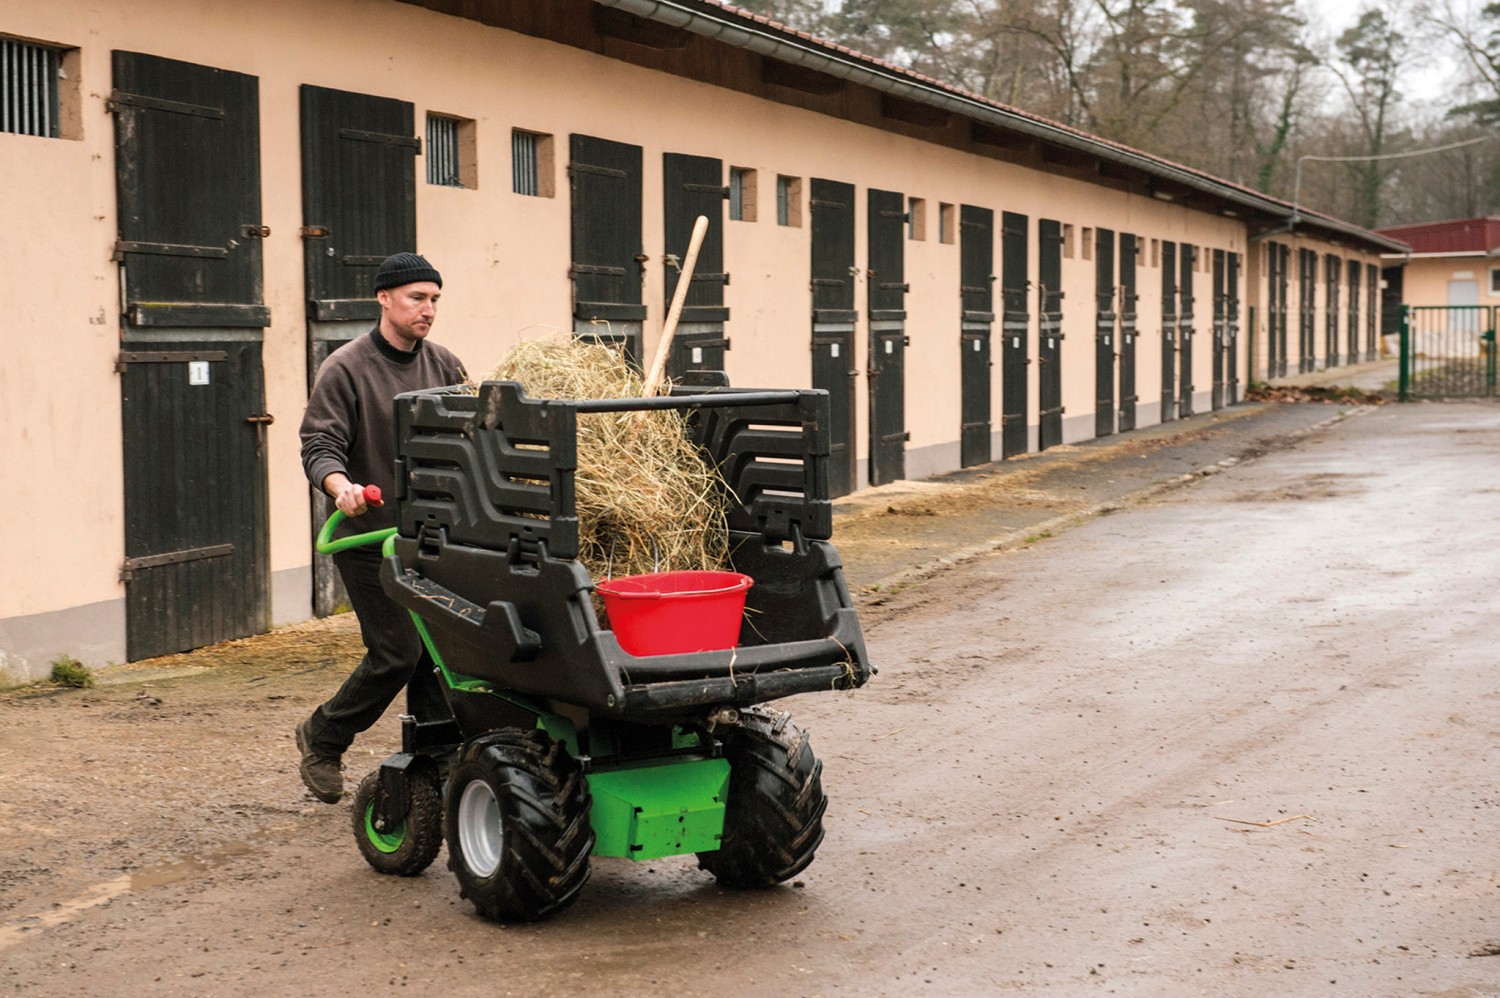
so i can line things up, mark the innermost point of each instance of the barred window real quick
(531, 164)
(523, 163)
(29, 88)
(741, 194)
(442, 152)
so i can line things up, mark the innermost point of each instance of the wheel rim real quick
(479, 832)
(383, 841)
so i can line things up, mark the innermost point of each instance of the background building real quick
(200, 194)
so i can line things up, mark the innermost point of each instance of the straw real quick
(646, 500)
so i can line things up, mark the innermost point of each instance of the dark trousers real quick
(394, 658)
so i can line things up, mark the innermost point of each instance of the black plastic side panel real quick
(495, 468)
(487, 469)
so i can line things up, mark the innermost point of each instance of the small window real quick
(789, 201)
(531, 164)
(1156, 252)
(1495, 280)
(741, 194)
(1067, 242)
(1088, 243)
(916, 219)
(947, 231)
(38, 89)
(451, 160)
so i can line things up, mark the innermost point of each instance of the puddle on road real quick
(156, 875)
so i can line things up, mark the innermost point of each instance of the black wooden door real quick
(359, 201)
(1129, 253)
(608, 260)
(1015, 332)
(1333, 269)
(1104, 332)
(359, 205)
(1275, 303)
(1232, 331)
(1282, 316)
(196, 519)
(1353, 337)
(976, 252)
(1307, 274)
(187, 177)
(833, 319)
(886, 297)
(1050, 335)
(1187, 256)
(192, 398)
(1220, 304)
(694, 186)
(1168, 331)
(1384, 314)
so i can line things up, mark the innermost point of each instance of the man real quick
(348, 442)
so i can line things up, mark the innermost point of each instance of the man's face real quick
(408, 312)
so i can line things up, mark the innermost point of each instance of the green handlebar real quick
(327, 545)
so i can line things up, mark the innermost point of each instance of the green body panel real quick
(664, 809)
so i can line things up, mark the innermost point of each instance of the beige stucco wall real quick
(504, 257)
(1427, 279)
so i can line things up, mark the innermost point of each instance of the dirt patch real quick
(1322, 394)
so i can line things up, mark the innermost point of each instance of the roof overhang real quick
(912, 95)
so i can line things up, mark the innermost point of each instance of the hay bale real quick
(646, 500)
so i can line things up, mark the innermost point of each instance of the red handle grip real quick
(372, 495)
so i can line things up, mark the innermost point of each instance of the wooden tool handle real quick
(669, 329)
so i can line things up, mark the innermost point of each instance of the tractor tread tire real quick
(545, 835)
(773, 822)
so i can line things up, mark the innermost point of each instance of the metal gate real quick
(1448, 351)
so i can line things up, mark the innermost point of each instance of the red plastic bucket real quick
(668, 613)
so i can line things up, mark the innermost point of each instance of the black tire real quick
(773, 822)
(518, 827)
(411, 846)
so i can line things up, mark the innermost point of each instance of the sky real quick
(1433, 82)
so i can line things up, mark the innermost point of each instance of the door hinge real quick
(314, 232)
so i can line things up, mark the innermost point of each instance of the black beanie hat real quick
(405, 268)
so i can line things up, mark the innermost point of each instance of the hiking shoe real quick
(323, 774)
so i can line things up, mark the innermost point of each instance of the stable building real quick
(201, 194)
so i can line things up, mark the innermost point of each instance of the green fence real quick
(1448, 351)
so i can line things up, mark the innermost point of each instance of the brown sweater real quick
(350, 422)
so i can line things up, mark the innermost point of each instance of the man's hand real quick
(348, 496)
